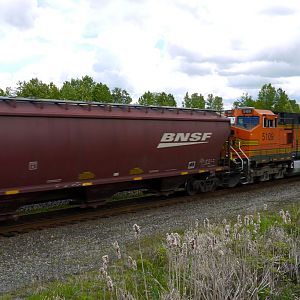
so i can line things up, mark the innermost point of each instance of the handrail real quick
(244, 155)
(238, 156)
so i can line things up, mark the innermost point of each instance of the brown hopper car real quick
(52, 149)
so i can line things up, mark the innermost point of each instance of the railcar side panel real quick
(48, 145)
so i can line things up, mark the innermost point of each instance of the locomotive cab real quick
(259, 147)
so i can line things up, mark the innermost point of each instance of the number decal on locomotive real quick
(267, 136)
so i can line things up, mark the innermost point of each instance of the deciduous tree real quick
(246, 100)
(34, 88)
(147, 98)
(214, 102)
(164, 99)
(194, 101)
(121, 96)
(282, 101)
(101, 93)
(266, 97)
(157, 99)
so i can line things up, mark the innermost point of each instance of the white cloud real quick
(209, 46)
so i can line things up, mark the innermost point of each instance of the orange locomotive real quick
(263, 144)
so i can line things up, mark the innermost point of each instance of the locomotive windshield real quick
(247, 122)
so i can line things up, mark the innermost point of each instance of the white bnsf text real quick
(170, 139)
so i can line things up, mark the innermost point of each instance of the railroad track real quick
(40, 221)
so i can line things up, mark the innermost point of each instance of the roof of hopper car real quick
(84, 109)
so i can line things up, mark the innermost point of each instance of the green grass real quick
(249, 255)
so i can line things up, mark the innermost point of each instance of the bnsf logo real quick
(183, 139)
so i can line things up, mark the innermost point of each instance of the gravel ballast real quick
(72, 249)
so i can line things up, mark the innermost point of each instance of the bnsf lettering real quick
(170, 139)
(185, 137)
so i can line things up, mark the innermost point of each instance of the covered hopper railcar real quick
(57, 149)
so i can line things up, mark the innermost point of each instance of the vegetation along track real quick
(39, 221)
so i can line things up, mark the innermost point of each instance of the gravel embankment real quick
(57, 252)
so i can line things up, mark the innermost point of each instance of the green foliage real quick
(121, 96)
(194, 101)
(295, 106)
(163, 99)
(256, 258)
(147, 98)
(157, 99)
(35, 88)
(9, 92)
(86, 89)
(269, 98)
(245, 101)
(282, 102)
(214, 102)
(266, 97)
(101, 93)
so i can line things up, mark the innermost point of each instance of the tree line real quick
(269, 98)
(87, 89)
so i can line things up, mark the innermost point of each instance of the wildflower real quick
(288, 217)
(227, 231)
(258, 218)
(105, 261)
(169, 239)
(239, 220)
(105, 258)
(137, 230)
(236, 234)
(117, 249)
(251, 221)
(184, 249)
(246, 220)
(131, 263)
(221, 252)
(255, 229)
(224, 222)
(109, 283)
(283, 216)
(265, 206)
(206, 223)
(103, 273)
(214, 240)
(176, 240)
(197, 223)
(192, 243)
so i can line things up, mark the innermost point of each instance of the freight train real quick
(55, 149)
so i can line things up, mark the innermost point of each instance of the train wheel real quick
(190, 187)
(265, 176)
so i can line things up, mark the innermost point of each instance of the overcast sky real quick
(207, 46)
